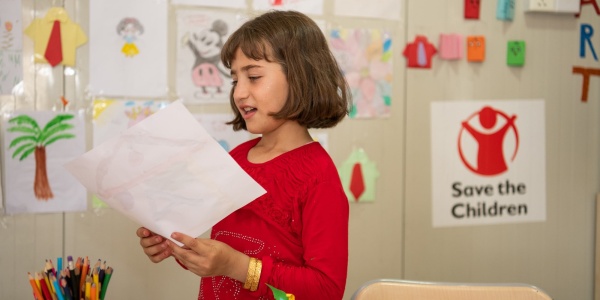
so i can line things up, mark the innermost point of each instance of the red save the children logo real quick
(489, 129)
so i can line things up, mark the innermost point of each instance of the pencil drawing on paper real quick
(206, 46)
(34, 139)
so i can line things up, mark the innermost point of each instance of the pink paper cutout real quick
(451, 46)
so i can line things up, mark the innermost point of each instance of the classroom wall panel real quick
(556, 254)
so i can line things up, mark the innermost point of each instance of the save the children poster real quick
(488, 162)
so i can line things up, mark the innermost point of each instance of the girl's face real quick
(259, 88)
(129, 30)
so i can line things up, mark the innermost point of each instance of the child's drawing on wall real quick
(129, 29)
(36, 145)
(206, 46)
(201, 76)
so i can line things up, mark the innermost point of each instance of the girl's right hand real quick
(155, 246)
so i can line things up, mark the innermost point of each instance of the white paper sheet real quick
(167, 173)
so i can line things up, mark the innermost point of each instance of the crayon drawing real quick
(365, 57)
(36, 145)
(112, 117)
(11, 45)
(130, 29)
(314, 7)
(201, 77)
(11, 25)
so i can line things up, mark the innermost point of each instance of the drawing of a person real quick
(129, 29)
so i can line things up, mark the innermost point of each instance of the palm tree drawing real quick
(35, 140)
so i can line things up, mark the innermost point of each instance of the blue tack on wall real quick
(505, 10)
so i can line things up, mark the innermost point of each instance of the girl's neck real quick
(280, 141)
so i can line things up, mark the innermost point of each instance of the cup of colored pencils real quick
(76, 280)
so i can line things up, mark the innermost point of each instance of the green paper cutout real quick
(369, 171)
(277, 293)
(515, 53)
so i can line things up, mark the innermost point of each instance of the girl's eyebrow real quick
(246, 68)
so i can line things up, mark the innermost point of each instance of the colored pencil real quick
(93, 291)
(108, 274)
(84, 271)
(50, 286)
(58, 291)
(36, 290)
(88, 287)
(66, 288)
(44, 287)
(59, 265)
(65, 283)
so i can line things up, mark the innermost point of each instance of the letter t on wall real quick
(586, 79)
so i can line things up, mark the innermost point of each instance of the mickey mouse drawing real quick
(206, 46)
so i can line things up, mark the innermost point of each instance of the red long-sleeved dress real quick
(299, 228)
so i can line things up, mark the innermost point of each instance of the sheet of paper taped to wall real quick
(167, 174)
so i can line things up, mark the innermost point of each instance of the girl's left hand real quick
(207, 257)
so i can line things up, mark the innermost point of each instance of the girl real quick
(295, 237)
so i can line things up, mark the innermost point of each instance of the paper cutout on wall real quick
(472, 8)
(365, 57)
(451, 46)
(36, 144)
(359, 175)
(515, 53)
(505, 10)
(201, 77)
(419, 53)
(476, 48)
(70, 37)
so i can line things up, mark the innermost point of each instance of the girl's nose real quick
(240, 91)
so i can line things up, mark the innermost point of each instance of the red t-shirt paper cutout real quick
(419, 53)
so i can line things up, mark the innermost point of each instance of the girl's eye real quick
(234, 82)
(254, 78)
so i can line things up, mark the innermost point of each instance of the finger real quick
(142, 232)
(160, 256)
(186, 240)
(151, 241)
(157, 250)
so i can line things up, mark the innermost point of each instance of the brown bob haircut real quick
(318, 94)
